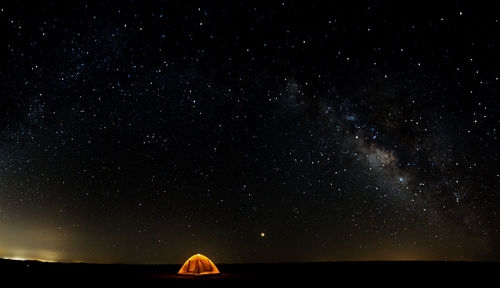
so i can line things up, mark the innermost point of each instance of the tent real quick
(198, 265)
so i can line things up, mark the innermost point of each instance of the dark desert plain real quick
(297, 143)
(383, 273)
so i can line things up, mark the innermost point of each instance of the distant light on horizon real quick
(32, 255)
(30, 259)
(16, 258)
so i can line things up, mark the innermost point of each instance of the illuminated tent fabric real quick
(198, 265)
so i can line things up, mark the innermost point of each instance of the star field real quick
(146, 132)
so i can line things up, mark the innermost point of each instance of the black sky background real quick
(145, 132)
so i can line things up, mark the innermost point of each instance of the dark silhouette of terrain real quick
(331, 274)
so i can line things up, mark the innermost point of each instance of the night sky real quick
(145, 132)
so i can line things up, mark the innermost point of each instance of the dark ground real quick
(479, 274)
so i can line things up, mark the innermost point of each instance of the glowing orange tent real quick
(198, 265)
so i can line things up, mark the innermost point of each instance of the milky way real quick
(145, 133)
